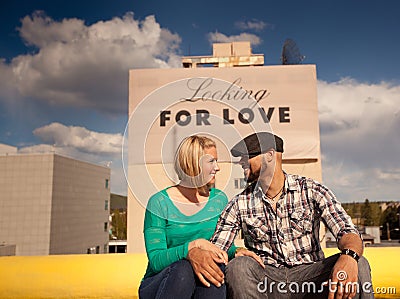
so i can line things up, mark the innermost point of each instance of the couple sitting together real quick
(190, 229)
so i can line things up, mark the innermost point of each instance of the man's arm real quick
(353, 242)
(345, 270)
(227, 227)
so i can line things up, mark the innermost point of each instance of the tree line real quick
(386, 215)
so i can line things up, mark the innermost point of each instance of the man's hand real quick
(344, 278)
(245, 252)
(207, 245)
(205, 266)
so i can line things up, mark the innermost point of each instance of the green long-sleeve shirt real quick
(168, 232)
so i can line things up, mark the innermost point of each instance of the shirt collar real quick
(290, 185)
(290, 182)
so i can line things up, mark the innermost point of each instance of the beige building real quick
(51, 204)
(234, 97)
(7, 149)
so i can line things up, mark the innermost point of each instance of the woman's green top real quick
(168, 232)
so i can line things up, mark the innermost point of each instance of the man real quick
(279, 215)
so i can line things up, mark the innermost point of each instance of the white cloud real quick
(86, 65)
(7, 82)
(254, 24)
(80, 138)
(359, 138)
(216, 37)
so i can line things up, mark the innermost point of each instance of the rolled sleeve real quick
(227, 227)
(333, 214)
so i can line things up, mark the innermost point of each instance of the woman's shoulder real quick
(218, 195)
(158, 199)
(218, 192)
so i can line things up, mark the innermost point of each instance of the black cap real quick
(257, 144)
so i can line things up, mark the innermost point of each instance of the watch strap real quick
(352, 253)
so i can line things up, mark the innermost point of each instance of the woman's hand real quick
(240, 251)
(207, 245)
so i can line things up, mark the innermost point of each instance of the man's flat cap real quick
(257, 144)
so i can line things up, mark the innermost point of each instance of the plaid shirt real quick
(289, 236)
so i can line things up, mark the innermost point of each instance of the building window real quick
(105, 248)
(105, 226)
(107, 182)
(240, 183)
(106, 205)
(97, 249)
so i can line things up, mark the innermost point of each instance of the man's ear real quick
(270, 155)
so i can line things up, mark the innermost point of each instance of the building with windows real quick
(226, 96)
(52, 204)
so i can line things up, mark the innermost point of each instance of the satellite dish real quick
(291, 53)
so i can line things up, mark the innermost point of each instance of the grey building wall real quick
(51, 204)
(79, 212)
(25, 202)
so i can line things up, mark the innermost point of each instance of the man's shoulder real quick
(299, 183)
(244, 194)
(296, 179)
(247, 190)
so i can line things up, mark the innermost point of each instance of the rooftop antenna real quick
(291, 53)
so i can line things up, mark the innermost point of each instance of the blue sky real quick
(64, 70)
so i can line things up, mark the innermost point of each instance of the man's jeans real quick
(179, 281)
(245, 279)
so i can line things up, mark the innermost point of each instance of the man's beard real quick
(250, 177)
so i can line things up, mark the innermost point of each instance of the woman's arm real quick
(158, 254)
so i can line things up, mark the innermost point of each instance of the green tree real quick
(390, 216)
(118, 225)
(376, 213)
(366, 213)
(390, 221)
(349, 208)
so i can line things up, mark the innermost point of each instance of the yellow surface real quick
(385, 268)
(71, 276)
(119, 275)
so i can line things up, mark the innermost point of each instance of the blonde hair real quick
(187, 162)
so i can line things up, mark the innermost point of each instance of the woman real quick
(181, 219)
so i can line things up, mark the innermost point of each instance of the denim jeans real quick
(245, 279)
(179, 281)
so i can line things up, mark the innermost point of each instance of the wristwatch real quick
(352, 253)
